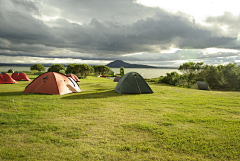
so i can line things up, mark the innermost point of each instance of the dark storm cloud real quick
(123, 11)
(26, 5)
(17, 25)
(108, 30)
(150, 35)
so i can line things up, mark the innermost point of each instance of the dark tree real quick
(38, 67)
(122, 71)
(84, 69)
(72, 68)
(56, 68)
(101, 69)
(231, 75)
(96, 69)
(190, 69)
(79, 69)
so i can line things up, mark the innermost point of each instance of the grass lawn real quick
(98, 124)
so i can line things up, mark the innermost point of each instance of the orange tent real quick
(52, 83)
(74, 77)
(20, 76)
(5, 78)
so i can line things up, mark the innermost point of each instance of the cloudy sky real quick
(151, 32)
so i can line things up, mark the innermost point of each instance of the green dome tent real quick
(132, 82)
(202, 85)
(116, 79)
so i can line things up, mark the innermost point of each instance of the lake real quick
(145, 72)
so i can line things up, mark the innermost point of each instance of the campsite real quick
(173, 123)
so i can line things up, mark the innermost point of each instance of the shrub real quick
(121, 71)
(83, 70)
(111, 73)
(38, 67)
(171, 78)
(38, 73)
(152, 79)
(62, 71)
(56, 68)
(34, 71)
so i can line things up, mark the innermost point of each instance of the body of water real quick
(17, 68)
(145, 72)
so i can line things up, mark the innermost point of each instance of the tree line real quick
(81, 70)
(218, 77)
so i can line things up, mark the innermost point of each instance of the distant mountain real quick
(120, 63)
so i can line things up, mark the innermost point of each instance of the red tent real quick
(5, 78)
(14, 75)
(103, 76)
(74, 77)
(20, 77)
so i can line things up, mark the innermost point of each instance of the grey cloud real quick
(124, 11)
(227, 19)
(27, 5)
(218, 54)
(154, 57)
(220, 61)
(17, 25)
(110, 29)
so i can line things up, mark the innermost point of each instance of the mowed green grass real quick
(98, 124)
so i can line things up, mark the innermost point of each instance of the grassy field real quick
(98, 124)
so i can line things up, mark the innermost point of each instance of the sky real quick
(151, 32)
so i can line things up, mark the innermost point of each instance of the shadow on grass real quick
(97, 93)
(20, 94)
(11, 93)
(106, 94)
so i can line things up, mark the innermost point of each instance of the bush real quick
(38, 73)
(171, 78)
(38, 67)
(83, 70)
(111, 73)
(34, 71)
(121, 71)
(56, 68)
(152, 79)
(62, 71)
(27, 72)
